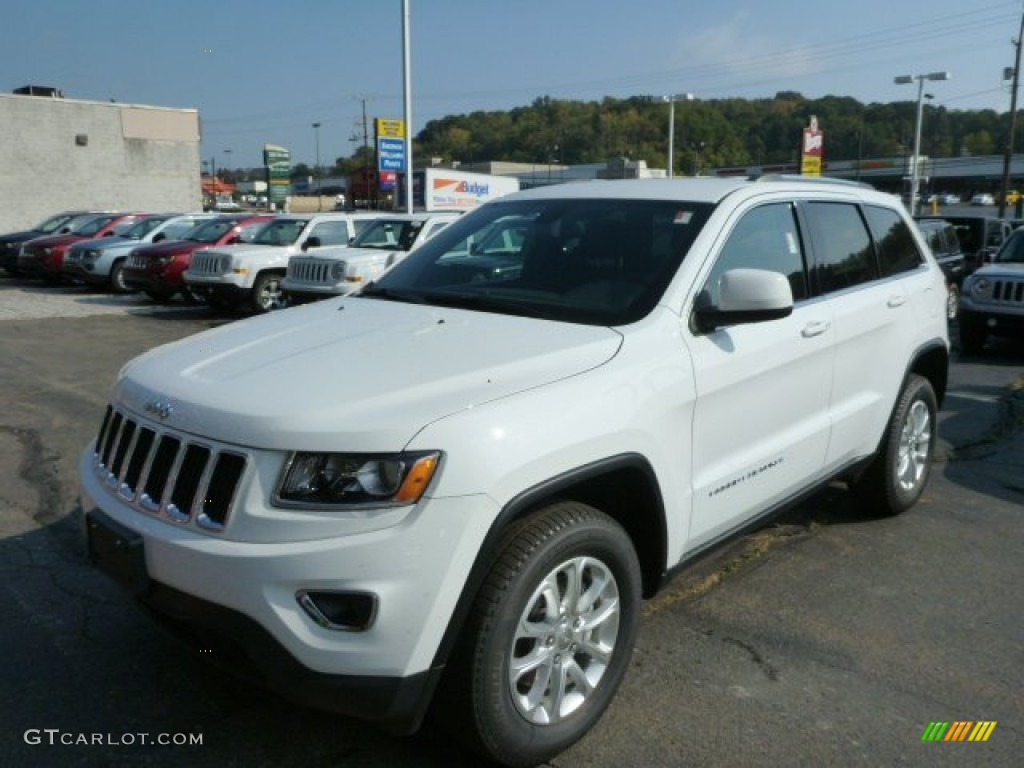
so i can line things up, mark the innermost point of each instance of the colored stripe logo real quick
(959, 730)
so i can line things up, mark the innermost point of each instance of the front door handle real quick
(815, 329)
(896, 301)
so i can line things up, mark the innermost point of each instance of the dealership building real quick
(63, 154)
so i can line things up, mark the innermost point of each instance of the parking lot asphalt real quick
(826, 638)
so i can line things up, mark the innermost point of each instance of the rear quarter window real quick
(897, 249)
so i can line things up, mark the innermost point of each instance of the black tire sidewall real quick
(502, 730)
(117, 277)
(917, 389)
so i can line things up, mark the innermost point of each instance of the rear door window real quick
(844, 255)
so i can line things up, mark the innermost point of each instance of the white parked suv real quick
(487, 459)
(252, 272)
(340, 270)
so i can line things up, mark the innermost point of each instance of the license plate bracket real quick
(117, 551)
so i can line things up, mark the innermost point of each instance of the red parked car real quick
(157, 269)
(44, 256)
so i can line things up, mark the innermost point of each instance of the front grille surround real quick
(1008, 291)
(168, 474)
(315, 271)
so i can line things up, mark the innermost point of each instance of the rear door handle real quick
(815, 329)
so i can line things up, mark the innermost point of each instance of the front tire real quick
(551, 634)
(117, 284)
(267, 294)
(972, 335)
(897, 477)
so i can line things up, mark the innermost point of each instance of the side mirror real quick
(747, 296)
(311, 242)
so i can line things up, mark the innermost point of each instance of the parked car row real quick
(983, 260)
(222, 259)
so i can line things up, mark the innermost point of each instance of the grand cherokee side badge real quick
(160, 408)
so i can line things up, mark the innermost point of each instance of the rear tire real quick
(550, 635)
(897, 476)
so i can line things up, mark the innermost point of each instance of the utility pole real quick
(1008, 157)
(366, 150)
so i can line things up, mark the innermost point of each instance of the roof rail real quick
(810, 179)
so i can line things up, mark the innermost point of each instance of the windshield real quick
(281, 232)
(178, 230)
(598, 262)
(139, 229)
(212, 231)
(54, 223)
(1012, 251)
(388, 234)
(91, 228)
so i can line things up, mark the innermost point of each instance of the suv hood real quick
(99, 243)
(352, 374)
(1007, 269)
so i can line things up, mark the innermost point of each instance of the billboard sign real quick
(812, 150)
(391, 155)
(278, 163)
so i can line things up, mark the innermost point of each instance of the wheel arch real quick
(624, 487)
(932, 362)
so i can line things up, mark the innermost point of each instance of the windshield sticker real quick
(683, 217)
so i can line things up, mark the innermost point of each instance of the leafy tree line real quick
(727, 132)
(724, 132)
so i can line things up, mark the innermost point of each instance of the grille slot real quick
(1011, 291)
(309, 270)
(168, 474)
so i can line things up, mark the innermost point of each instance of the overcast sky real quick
(263, 72)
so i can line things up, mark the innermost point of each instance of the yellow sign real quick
(389, 128)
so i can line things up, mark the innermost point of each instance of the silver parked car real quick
(100, 262)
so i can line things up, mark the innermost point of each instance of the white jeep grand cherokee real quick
(486, 459)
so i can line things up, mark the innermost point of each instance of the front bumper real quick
(241, 596)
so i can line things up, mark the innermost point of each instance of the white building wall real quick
(60, 154)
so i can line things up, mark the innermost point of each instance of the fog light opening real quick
(346, 611)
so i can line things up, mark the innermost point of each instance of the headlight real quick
(978, 286)
(338, 270)
(91, 255)
(341, 480)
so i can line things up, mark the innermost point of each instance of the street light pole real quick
(1008, 154)
(915, 173)
(672, 124)
(316, 167)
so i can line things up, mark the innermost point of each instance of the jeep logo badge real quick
(160, 408)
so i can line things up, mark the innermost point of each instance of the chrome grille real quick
(205, 264)
(310, 270)
(135, 261)
(167, 474)
(1008, 291)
